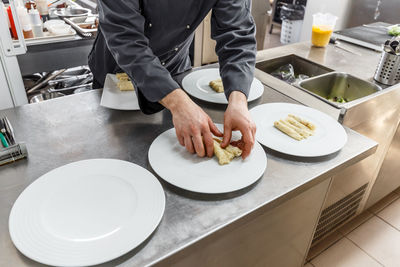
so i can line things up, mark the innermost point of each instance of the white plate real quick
(329, 136)
(178, 167)
(196, 84)
(114, 98)
(87, 212)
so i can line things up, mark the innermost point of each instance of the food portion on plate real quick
(175, 165)
(124, 82)
(200, 84)
(295, 127)
(217, 85)
(225, 155)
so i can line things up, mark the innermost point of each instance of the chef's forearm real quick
(237, 97)
(174, 100)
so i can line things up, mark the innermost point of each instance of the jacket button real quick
(163, 63)
(188, 26)
(150, 25)
(176, 48)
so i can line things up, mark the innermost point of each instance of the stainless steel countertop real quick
(75, 127)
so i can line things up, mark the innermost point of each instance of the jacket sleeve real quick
(122, 25)
(233, 28)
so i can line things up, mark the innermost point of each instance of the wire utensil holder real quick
(388, 71)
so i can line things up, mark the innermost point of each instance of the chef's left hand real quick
(237, 118)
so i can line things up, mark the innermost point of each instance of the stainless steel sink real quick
(340, 85)
(300, 65)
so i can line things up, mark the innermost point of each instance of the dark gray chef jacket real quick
(150, 40)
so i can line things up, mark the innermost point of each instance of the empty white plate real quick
(114, 98)
(196, 84)
(87, 212)
(178, 167)
(329, 136)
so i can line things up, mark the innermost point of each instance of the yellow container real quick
(321, 35)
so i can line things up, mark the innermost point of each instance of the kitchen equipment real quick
(114, 98)
(369, 37)
(379, 26)
(300, 66)
(43, 9)
(82, 89)
(339, 85)
(60, 29)
(25, 22)
(3, 140)
(337, 44)
(13, 153)
(72, 89)
(391, 30)
(7, 130)
(86, 25)
(37, 24)
(52, 22)
(43, 82)
(292, 20)
(71, 12)
(329, 136)
(88, 212)
(178, 167)
(388, 70)
(50, 37)
(197, 82)
(45, 96)
(67, 81)
(387, 48)
(322, 28)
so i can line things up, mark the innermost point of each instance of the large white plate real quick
(87, 212)
(196, 84)
(116, 99)
(178, 167)
(329, 136)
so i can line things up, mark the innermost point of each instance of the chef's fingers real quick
(238, 143)
(198, 145)
(254, 130)
(209, 143)
(248, 139)
(180, 138)
(227, 135)
(188, 143)
(214, 129)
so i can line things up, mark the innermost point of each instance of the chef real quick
(150, 40)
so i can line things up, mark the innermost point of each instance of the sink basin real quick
(300, 65)
(340, 85)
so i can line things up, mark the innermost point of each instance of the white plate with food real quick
(178, 167)
(297, 130)
(86, 213)
(115, 98)
(197, 84)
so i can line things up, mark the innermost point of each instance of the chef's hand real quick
(194, 128)
(237, 118)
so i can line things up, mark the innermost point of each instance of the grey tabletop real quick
(75, 127)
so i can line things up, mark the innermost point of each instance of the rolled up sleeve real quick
(122, 25)
(233, 28)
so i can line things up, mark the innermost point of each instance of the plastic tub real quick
(60, 29)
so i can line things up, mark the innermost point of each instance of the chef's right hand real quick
(194, 128)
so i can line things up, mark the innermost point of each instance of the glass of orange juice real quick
(322, 29)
